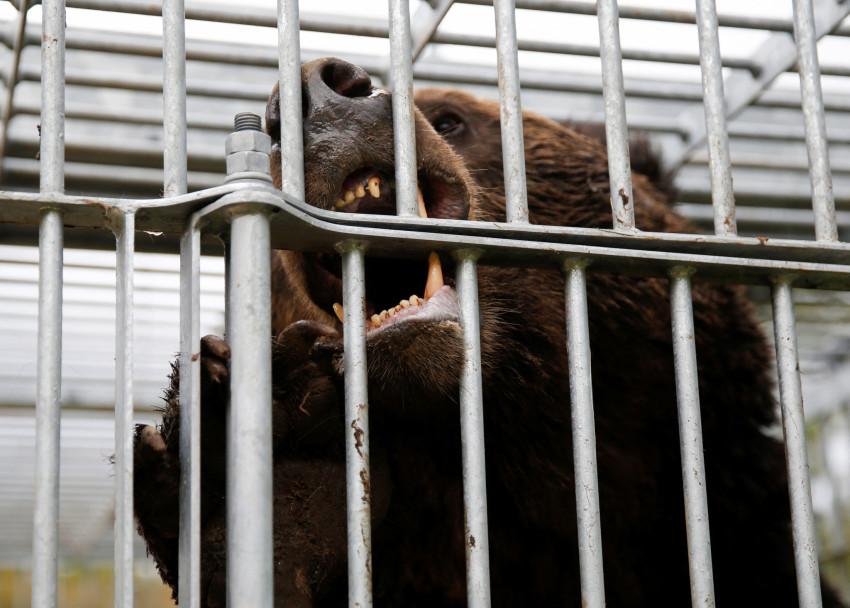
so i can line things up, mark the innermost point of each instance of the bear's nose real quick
(332, 81)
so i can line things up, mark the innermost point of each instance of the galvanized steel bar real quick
(817, 145)
(52, 180)
(616, 130)
(690, 439)
(358, 501)
(190, 419)
(291, 137)
(174, 97)
(510, 112)
(584, 437)
(774, 56)
(796, 458)
(404, 131)
(47, 411)
(476, 539)
(125, 528)
(52, 75)
(250, 563)
(714, 106)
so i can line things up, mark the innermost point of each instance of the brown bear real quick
(414, 353)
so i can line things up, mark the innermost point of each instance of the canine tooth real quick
(374, 185)
(360, 191)
(404, 304)
(340, 312)
(435, 270)
(339, 204)
(349, 196)
(435, 276)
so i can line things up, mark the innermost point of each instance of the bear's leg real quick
(156, 483)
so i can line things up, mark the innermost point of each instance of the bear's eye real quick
(448, 124)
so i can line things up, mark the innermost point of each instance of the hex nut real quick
(248, 141)
(252, 162)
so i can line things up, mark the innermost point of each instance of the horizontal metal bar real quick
(295, 227)
(169, 215)
(424, 71)
(261, 16)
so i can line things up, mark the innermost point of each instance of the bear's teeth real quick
(435, 269)
(340, 312)
(360, 191)
(339, 204)
(349, 197)
(374, 186)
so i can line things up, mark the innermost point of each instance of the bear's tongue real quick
(432, 285)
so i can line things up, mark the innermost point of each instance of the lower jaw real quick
(441, 306)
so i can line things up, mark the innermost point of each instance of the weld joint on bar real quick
(116, 218)
(468, 253)
(351, 245)
(784, 279)
(571, 264)
(682, 272)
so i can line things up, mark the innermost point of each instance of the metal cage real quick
(259, 217)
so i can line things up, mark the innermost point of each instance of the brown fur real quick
(416, 485)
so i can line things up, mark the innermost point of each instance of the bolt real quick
(248, 149)
(247, 121)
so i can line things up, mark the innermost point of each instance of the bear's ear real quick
(273, 114)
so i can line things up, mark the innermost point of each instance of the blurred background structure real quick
(114, 147)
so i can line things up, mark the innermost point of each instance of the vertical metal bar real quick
(510, 112)
(820, 175)
(12, 79)
(249, 438)
(291, 140)
(52, 148)
(190, 418)
(404, 131)
(477, 540)
(616, 130)
(174, 96)
(690, 439)
(124, 522)
(584, 437)
(47, 412)
(52, 179)
(794, 427)
(358, 501)
(714, 105)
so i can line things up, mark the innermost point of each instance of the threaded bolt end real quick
(247, 121)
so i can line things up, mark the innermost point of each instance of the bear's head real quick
(415, 355)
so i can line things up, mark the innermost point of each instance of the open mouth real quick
(394, 287)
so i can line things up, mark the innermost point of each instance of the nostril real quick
(346, 79)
